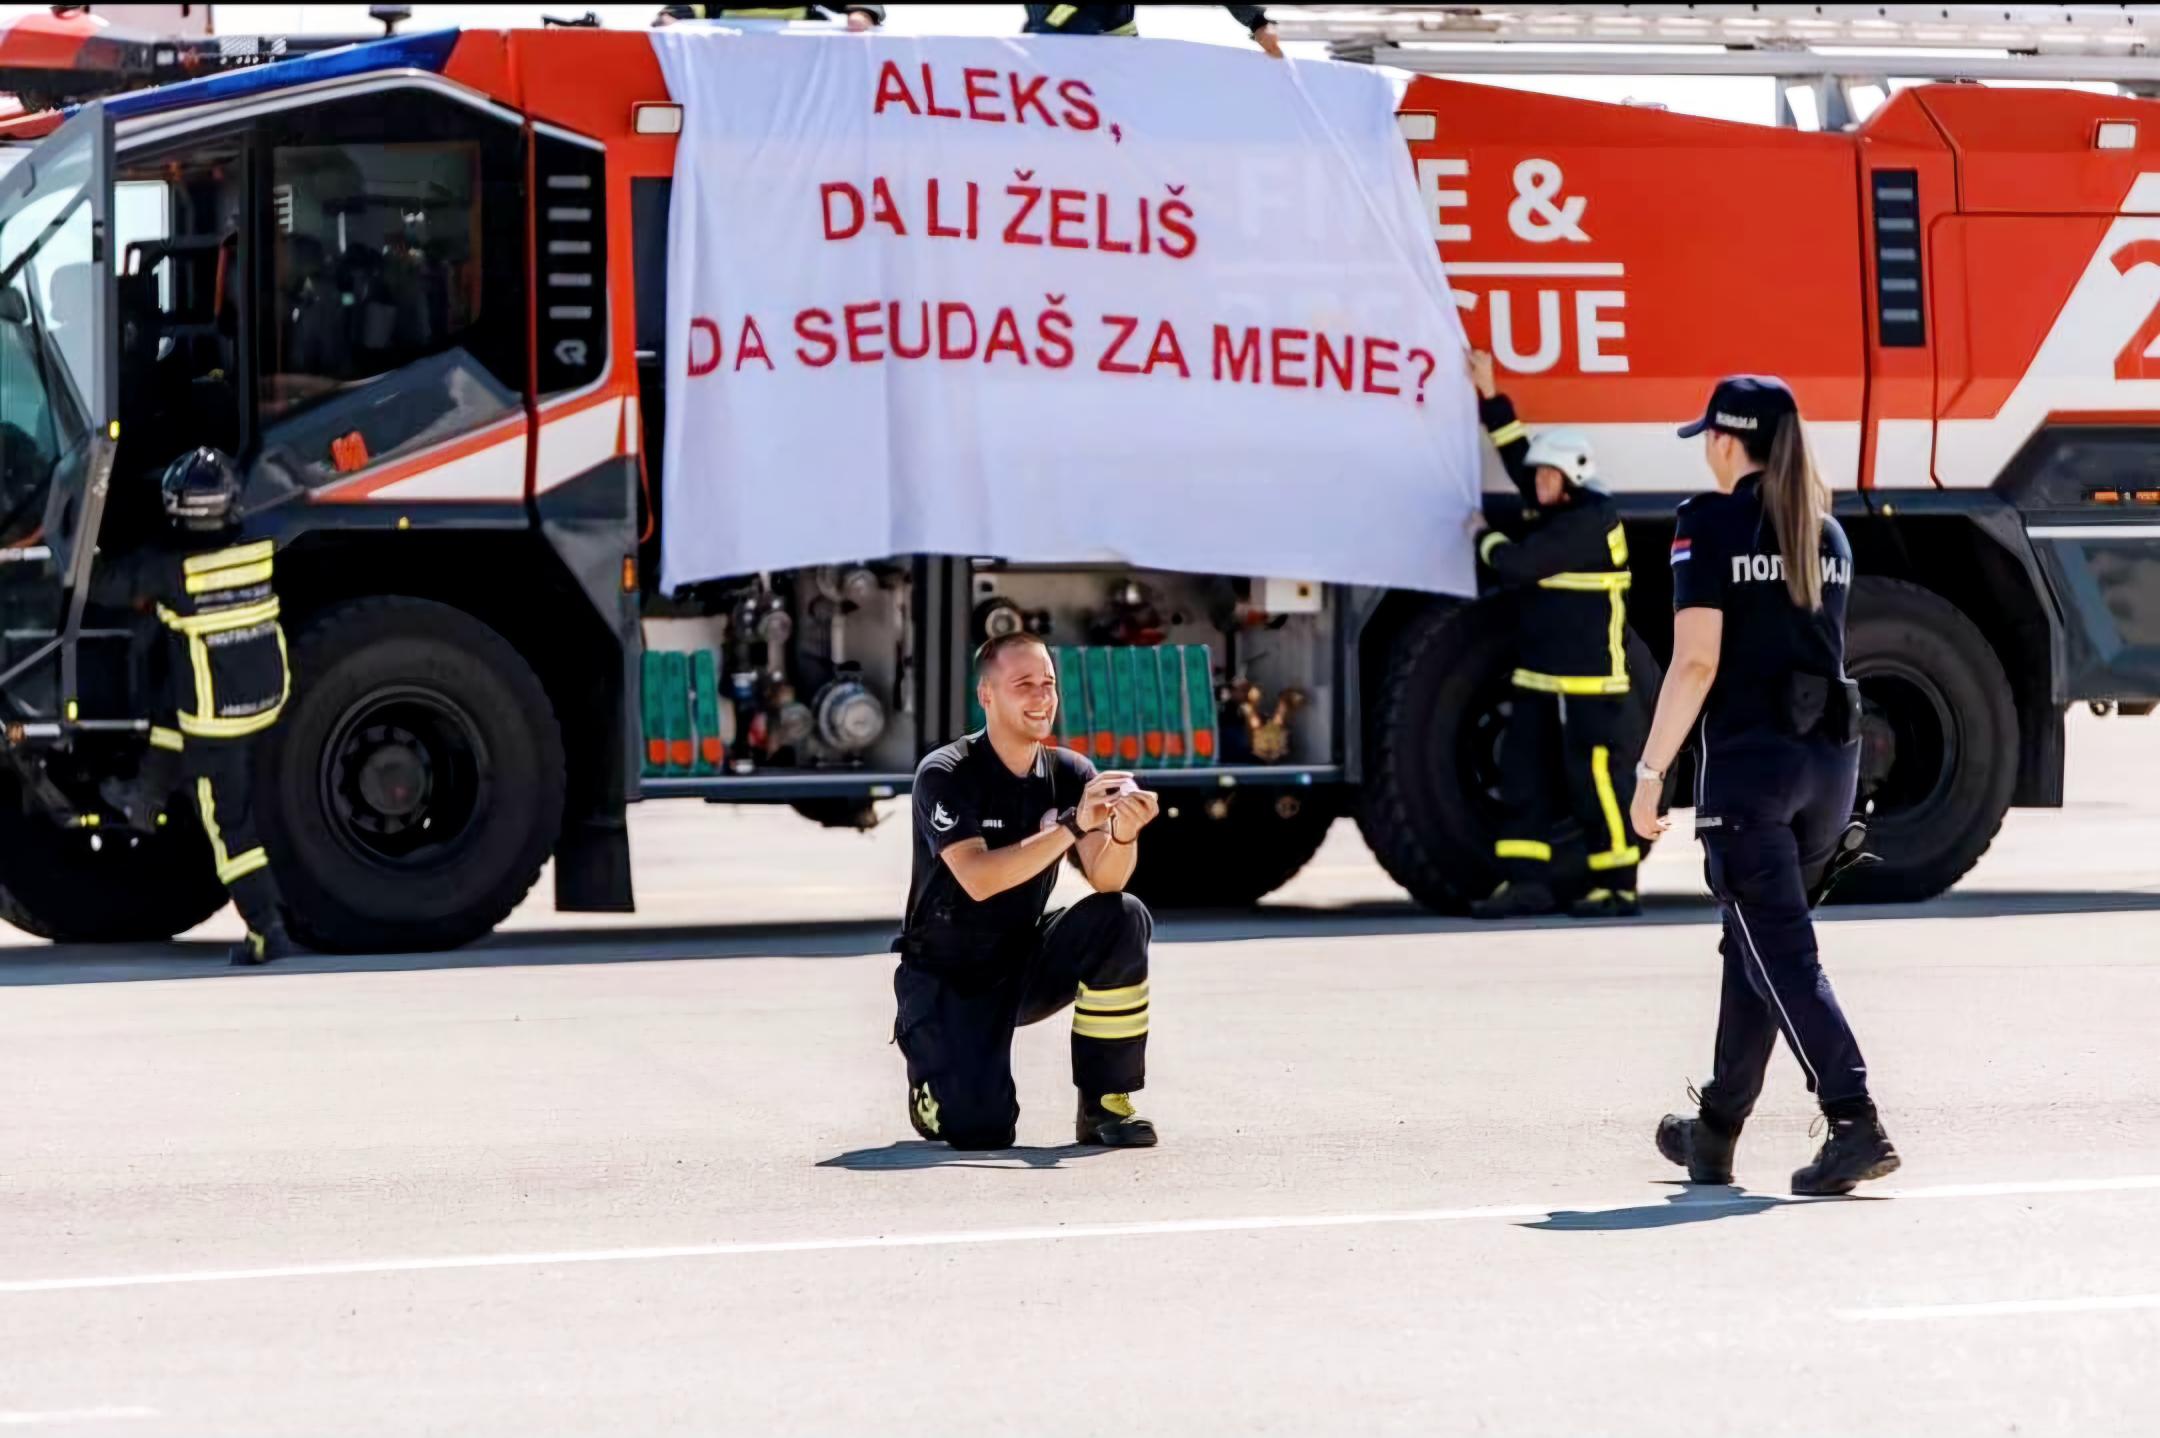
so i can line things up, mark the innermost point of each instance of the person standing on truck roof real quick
(1564, 833)
(1761, 577)
(994, 812)
(858, 17)
(225, 663)
(1124, 20)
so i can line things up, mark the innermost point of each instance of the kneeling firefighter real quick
(1564, 833)
(226, 670)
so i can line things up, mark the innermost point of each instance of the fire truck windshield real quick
(47, 344)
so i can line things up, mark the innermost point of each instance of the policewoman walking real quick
(1761, 577)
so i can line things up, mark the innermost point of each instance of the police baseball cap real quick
(1745, 405)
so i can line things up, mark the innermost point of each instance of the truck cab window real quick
(395, 315)
(44, 334)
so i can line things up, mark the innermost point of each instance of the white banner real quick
(1054, 299)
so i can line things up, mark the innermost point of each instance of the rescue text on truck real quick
(487, 673)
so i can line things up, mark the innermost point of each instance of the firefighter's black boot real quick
(1855, 1151)
(1109, 1122)
(266, 947)
(1607, 904)
(1516, 901)
(1701, 1147)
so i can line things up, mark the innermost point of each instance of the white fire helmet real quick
(1567, 450)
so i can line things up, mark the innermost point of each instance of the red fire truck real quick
(452, 247)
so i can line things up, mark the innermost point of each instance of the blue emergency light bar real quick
(428, 50)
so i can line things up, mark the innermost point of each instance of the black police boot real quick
(1516, 901)
(1109, 1122)
(1856, 1150)
(272, 944)
(1606, 904)
(1692, 1143)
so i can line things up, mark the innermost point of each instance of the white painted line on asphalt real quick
(2005, 1308)
(72, 1415)
(1054, 1233)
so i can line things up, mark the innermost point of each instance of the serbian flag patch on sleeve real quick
(1681, 549)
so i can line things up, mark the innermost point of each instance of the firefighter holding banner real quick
(1565, 836)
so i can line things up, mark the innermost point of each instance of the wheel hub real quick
(403, 777)
(395, 777)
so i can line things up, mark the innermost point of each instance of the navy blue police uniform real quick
(1567, 734)
(971, 971)
(1778, 758)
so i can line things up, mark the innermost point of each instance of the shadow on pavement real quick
(1691, 1203)
(918, 1153)
(853, 938)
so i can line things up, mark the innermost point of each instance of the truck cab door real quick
(57, 396)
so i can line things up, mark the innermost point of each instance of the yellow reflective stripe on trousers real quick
(1570, 683)
(163, 738)
(229, 867)
(1100, 1026)
(1507, 433)
(227, 558)
(1132, 996)
(1622, 852)
(1534, 849)
(240, 576)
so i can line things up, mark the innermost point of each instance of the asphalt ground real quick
(654, 1175)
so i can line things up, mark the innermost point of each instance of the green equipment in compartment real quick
(1125, 706)
(1102, 723)
(1170, 684)
(711, 751)
(1200, 702)
(674, 682)
(1072, 714)
(652, 693)
(1148, 707)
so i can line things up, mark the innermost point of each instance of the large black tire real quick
(1430, 807)
(415, 786)
(1229, 849)
(1939, 741)
(74, 887)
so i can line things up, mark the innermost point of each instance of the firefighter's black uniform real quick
(971, 972)
(1778, 758)
(225, 681)
(1567, 736)
(1114, 19)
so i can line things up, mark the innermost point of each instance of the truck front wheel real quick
(414, 787)
(77, 887)
(1229, 850)
(1938, 740)
(1431, 806)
